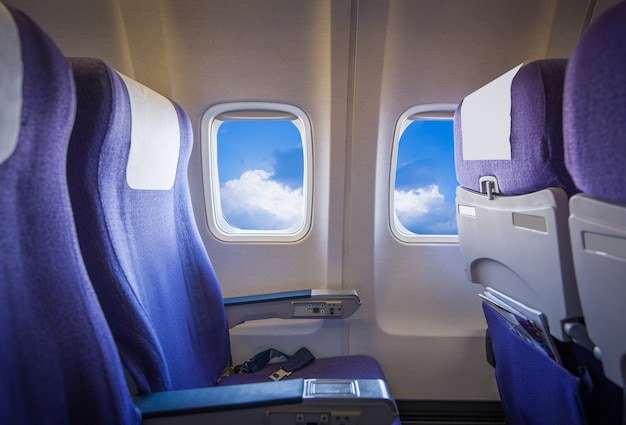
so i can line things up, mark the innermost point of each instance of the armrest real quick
(365, 401)
(307, 304)
(216, 399)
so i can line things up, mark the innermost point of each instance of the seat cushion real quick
(349, 367)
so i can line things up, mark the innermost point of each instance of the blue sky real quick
(261, 175)
(424, 195)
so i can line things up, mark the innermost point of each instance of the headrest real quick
(11, 79)
(512, 129)
(595, 108)
(155, 139)
(486, 125)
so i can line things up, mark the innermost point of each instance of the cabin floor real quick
(451, 412)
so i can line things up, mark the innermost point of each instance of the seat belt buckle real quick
(280, 374)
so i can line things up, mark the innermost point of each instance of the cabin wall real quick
(429, 331)
(354, 67)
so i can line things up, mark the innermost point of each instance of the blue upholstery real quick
(533, 388)
(352, 367)
(536, 139)
(54, 336)
(595, 128)
(595, 143)
(533, 266)
(530, 261)
(141, 247)
(145, 257)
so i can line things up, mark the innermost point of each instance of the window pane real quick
(257, 171)
(261, 174)
(425, 179)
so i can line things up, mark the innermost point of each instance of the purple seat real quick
(58, 361)
(141, 244)
(141, 248)
(594, 105)
(595, 146)
(515, 239)
(536, 140)
(527, 254)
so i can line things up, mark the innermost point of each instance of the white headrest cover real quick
(155, 139)
(486, 120)
(11, 80)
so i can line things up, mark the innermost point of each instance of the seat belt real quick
(298, 360)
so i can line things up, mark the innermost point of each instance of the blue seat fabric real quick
(141, 248)
(145, 257)
(352, 367)
(54, 336)
(595, 101)
(537, 156)
(595, 147)
(533, 388)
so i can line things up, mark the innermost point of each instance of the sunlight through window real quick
(258, 158)
(423, 179)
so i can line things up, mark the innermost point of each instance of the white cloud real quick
(414, 203)
(254, 201)
(424, 210)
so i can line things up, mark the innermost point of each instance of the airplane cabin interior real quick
(350, 212)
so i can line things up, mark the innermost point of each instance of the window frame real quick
(437, 111)
(211, 120)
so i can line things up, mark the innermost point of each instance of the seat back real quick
(127, 174)
(58, 360)
(512, 203)
(595, 141)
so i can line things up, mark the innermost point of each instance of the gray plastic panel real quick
(519, 245)
(319, 304)
(321, 401)
(598, 233)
